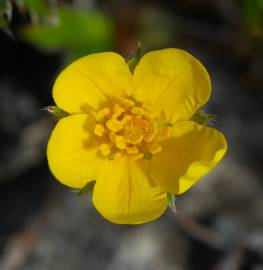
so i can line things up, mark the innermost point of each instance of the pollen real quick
(105, 149)
(129, 128)
(99, 130)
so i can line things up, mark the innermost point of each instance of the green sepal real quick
(170, 200)
(133, 60)
(88, 188)
(56, 112)
(202, 118)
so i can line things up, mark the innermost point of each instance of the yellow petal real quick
(190, 153)
(123, 193)
(71, 151)
(90, 81)
(172, 80)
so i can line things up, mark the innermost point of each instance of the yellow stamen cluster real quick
(129, 129)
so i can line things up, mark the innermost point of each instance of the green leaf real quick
(3, 7)
(2, 21)
(253, 14)
(78, 31)
(88, 188)
(38, 6)
(56, 112)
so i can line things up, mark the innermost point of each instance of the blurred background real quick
(219, 222)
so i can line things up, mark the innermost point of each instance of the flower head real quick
(132, 132)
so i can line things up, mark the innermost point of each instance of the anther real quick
(99, 130)
(137, 156)
(104, 112)
(114, 124)
(165, 132)
(132, 150)
(117, 111)
(112, 137)
(127, 102)
(134, 138)
(117, 156)
(154, 148)
(138, 111)
(120, 142)
(127, 118)
(152, 131)
(105, 149)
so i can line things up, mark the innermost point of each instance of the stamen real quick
(129, 129)
(138, 111)
(105, 149)
(141, 123)
(126, 119)
(134, 137)
(152, 131)
(120, 142)
(127, 102)
(132, 150)
(112, 137)
(154, 148)
(114, 124)
(117, 111)
(99, 130)
(137, 156)
(117, 156)
(104, 112)
(165, 132)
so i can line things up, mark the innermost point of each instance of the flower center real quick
(130, 129)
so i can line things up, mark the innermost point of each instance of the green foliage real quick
(80, 32)
(2, 20)
(253, 13)
(3, 8)
(39, 6)
(2, 5)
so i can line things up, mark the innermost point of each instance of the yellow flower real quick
(132, 133)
